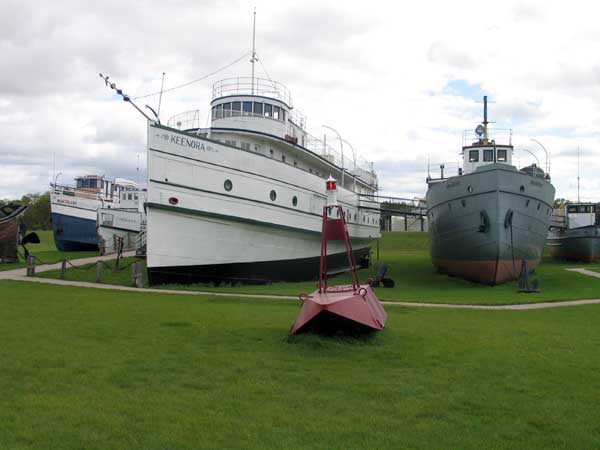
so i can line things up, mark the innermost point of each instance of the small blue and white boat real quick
(74, 209)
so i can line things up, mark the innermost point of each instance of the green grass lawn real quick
(407, 255)
(46, 252)
(92, 369)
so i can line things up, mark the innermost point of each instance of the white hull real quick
(195, 222)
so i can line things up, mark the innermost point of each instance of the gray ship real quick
(576, 236)
(484, 222)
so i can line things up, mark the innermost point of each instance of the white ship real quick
(119, 228)
(74, 209)
(242, 200)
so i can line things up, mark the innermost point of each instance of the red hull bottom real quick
(490, 272)
(362, 308)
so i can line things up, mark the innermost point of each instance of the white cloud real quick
(375, 72)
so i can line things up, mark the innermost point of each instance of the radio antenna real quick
(162, 83)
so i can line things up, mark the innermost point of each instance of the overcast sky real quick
(399, 80)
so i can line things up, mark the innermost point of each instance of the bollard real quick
(63, 269)
(99, 273)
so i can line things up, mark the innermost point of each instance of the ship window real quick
(273, 195)
(135, 197)
(276, 112)
(470, 189)
(245, 145)
(268, 110)
(473, 155)
(226, 109)
(539, 206)
(236, 107)
(247, 108)
(218, 112)
(501, 155)
(129, 197)
(228, 185)
(527, 202)
(258, 108)
(522, 189)
(283, 114)
(229, 142)
(488, 155)
(295, 200)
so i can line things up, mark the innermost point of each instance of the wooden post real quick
(30, 266)
(99, 273)
(136, 274)
(63, 269)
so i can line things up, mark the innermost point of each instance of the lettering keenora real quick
(191, 143)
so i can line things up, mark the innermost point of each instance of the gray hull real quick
(483, 224)
(576, 244)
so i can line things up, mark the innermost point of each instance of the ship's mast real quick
(485, 121)
(254, 58)
(578, 156)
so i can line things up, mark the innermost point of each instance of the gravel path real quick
(20, 275)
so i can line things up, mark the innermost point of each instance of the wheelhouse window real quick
(226, 109)
(236, 108)
(268, 110)
(218, 112)
(282, 117)
(86, 183)
(276, 112)
(258, 108)
(247, 108)
(501, 155)
(488, 155)
(473, 155)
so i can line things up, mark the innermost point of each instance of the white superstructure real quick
(243, 199)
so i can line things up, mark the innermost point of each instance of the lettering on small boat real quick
(63, 201)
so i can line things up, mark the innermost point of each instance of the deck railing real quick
(252, 86)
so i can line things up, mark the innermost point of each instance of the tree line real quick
(37, 216)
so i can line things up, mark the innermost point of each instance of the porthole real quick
(273, 195)
(522, 189)
(463, 202)
(527, 202)
(470, 189)
(228, 185)
(295, 200)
